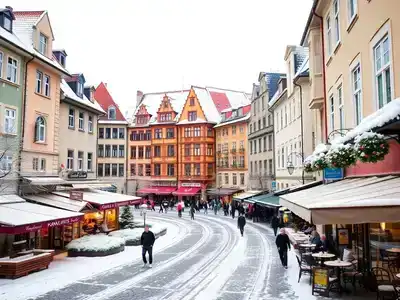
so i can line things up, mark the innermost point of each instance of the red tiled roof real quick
(105, 100)
(37, 13)
(74, 77)
(220, 100)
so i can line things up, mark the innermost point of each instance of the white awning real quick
(57, 201)
(91, 185)
(247, 194)
(45, 180)
(349, 201)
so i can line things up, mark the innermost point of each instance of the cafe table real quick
(323, 256)
(393, 250)
(338, 264)
(398, 276)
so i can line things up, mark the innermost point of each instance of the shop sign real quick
(77, 174)
(187, 184)
(63, 222)
(32, 228)
(320, 283)
(76, 195)
(273, 185)
(343, 236)
(118, 204)
(333, 174)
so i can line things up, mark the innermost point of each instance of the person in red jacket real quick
(179, 209)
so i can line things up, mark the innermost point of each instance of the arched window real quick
(112, 113)
(40, 129)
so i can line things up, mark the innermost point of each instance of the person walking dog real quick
(147, 241)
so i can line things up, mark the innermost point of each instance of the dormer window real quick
(234, 113)
(43, 44)
(7, 23)
(79, 89)
(112, 114)
(62, 60)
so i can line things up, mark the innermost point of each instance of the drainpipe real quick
(302, 127)
(23, 122)
(323, 70)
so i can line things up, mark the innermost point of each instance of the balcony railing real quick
(233, 150)
(241, 150)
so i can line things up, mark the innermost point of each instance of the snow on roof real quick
(386, 114)
(207, 104)
(244, 118)
(57, 201)
(101, 197)
(198, 121)
(303, 69)
(236, 98)
(85, 101)
(11, 198)
(12, 38)
(276, 97)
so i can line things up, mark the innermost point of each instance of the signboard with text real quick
(333, 174)
(320, 282)
(76, 195)
(273, 185)
(187, 184)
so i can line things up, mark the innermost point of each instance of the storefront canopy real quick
(46, 180)
(246, 195)
(104, 200)
(18, 216)
(186, 191)
(349, 201)
(269, 200)
(59, 202)
(157, 190)
(222, 192)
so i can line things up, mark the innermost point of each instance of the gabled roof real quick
(224, 98)
(271, 80)
(221, 101)
(103, 97)
(30, 19)
(14, 40)
(74, 77)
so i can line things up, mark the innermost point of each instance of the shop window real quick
(114, 170)
(107, 170)
(148, 170)
(121, 170)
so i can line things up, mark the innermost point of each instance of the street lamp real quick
(290, 166)
(143, 211)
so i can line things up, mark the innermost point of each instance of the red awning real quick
(186, 191)
(157, 190)
(145, 191)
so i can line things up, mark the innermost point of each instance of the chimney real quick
(139, 95)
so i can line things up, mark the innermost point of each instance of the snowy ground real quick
(201, 259)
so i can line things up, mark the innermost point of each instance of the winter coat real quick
(165, 204)
(275, 222)
(147, 240)
(179, 207)
(282, 242)
(241, 221)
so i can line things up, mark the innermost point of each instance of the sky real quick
(164, 45)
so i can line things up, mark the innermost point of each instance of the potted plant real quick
(371, 147)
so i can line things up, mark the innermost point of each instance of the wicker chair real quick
(385, 288)
(304, 268)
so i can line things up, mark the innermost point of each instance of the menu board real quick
(343, 236)
(320, 284)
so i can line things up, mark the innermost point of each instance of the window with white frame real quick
(12, 69)
(43, 165)
(1, 64)
(332, 111)
(79, 89)
(6, 164)
(329, 34)
(70, 160)
(80, 160)
(10, 122)
(39, 80)
(383, 80)
(71, 118)
(81, 121)
(352, 9)
(112, 113)
(90, 124)
(357, 95)
(47, 85)
(43, 44)
(340, 106)
(35, 164)
(40, 130)
(336, 17)
(89, 161)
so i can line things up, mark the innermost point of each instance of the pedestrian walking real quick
(192, 211)
(153, 204)
(179, 210)
(233, 209)
(205, 206)
(161, 208)
(147, 241)
(275, 224)
(241, 223)
(165, 204)
(215, 209)
(283, 244)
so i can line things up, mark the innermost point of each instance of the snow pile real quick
(367, 135)
(131, 237)
(96, 243)
(318, 153)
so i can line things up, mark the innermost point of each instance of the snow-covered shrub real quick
(96, 243)
(371, 147)
(317, 160)
(341, 156)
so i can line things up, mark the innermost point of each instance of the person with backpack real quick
(241, 223)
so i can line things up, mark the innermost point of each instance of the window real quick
(158, 133)
(70, 159)
(241, 161)
(286, 116)
(107, 169)
(269, 120)
(100, 150)
(259, 124)
(39, 80)
(148, 152)
(226, 178)
(281, 119)
(270, 142)
(157, 151)
(112, 113)
(1, 64)
(100, 170)
(35, 164)
(337, 21)
(234, 177)
(6, 164)
(191, 101)
(43, 165)
(352, 9)
(332, 111)
(79, 88)
(47, 85)
(121, 170)
(265, 143)
(71, 122)
(7, 23)
(341, 107)
(81, 121)
(196, 149)
(171, 170)
(12, 70)
(234, 130)
(133, 152)
(270, 167)
(187, 150)
(107, 151)
(108, 133)
(121, 151)
(147, 169)
(279, 159)
(188, 171)
(329, 34)
(43, 44)
(10, 125)
(241, 178)
(259, 145)
(251, 167)
(140, 170)
(40, 130)
(197, 170)
(133, 170)
(383, 81)
(121, 133)
(192, 116)
(265, 166)
(197, 132)
(90, 124)
(210, 169)
(357, 101)
(171, 150)
(80, 160)
(283, 158)
(89, 162)
(114, 151)
(114, 170)
(188, 132)
(264, 122)
(209, 150)
(101, 133)
(170, 133)
(115, 133)
(209, 132)
(251, 128)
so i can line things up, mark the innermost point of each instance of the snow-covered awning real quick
(18, 216)
(349, 201)
(247, 194)
(45, 180)
(186, 191)
(57, 201)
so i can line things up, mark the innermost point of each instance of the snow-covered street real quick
(201, 259)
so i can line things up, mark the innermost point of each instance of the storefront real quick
(224, 194)
(246, 195)
(189, 192)
(158, 193)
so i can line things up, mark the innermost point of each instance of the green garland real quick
(371, 147)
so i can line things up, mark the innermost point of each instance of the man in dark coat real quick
(275, 224)
(283, 244)
(241, 223)
(147, 241)
(233, 209)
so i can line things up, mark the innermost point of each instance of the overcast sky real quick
(160, 45)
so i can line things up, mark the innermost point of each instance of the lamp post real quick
(143, 208)
(290, 167)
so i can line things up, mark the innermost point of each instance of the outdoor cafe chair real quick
(304, 269)
(396, 286)
(385, 288)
